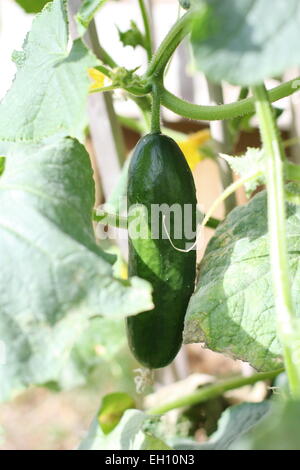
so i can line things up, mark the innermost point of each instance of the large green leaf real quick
(128, 435)
(236, 40)
(232, 310)
(53, 276)
(49, 93)
(278, 431)
(234, 423)
(32, 6)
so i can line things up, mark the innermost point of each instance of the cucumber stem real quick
(170, 43)
(213, 391)
(147, 28)
(226, 111)
(155, 112)
(275, 157)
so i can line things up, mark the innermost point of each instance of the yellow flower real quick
(191, 147)
(99, 79)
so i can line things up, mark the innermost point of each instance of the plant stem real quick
(227, 192)
(169, 45)
(290, 142)
(115, 126)
(106, 58)
(148, 37)
(132, 124)
(213, 391)
(155, 112)
(141, 128)
(213, 223)
(207, 113)
(244, 92)
(226, 111)
(275, 157)
(226, 178)
(235, 124)
(144, 104)
(104, 70)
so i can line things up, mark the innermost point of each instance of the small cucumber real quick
(159, 175)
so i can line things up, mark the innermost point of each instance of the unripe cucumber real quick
(159, 174)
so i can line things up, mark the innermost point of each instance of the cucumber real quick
(159, 174)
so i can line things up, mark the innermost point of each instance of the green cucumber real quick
(159, 174)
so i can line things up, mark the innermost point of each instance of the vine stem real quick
(286, 317)
(155, 112)
(115, 126)
(227, 193)
(227, 111)
(213, 391)
(204, 113)
(166, 49)
(148, 37)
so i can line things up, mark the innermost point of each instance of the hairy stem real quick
(227, 193)
(166, 49)
(213, 391)
(227, 111)
(148, 36)
(115, 126)
(155, 112)
(275, 157)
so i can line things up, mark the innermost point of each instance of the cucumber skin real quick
(158, 173)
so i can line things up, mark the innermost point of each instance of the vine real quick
(275, 158)
(212, 391)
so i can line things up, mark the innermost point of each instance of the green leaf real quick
(234, 423)
(86, 13)
(278, 431)
(232, 310)
(53, 276)
(132, 37)
(32, 6)
(250, 164)
(235, 40)
(112, 409)
(49, 93)
(153, 443)
(292, 193)
(128, 435)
